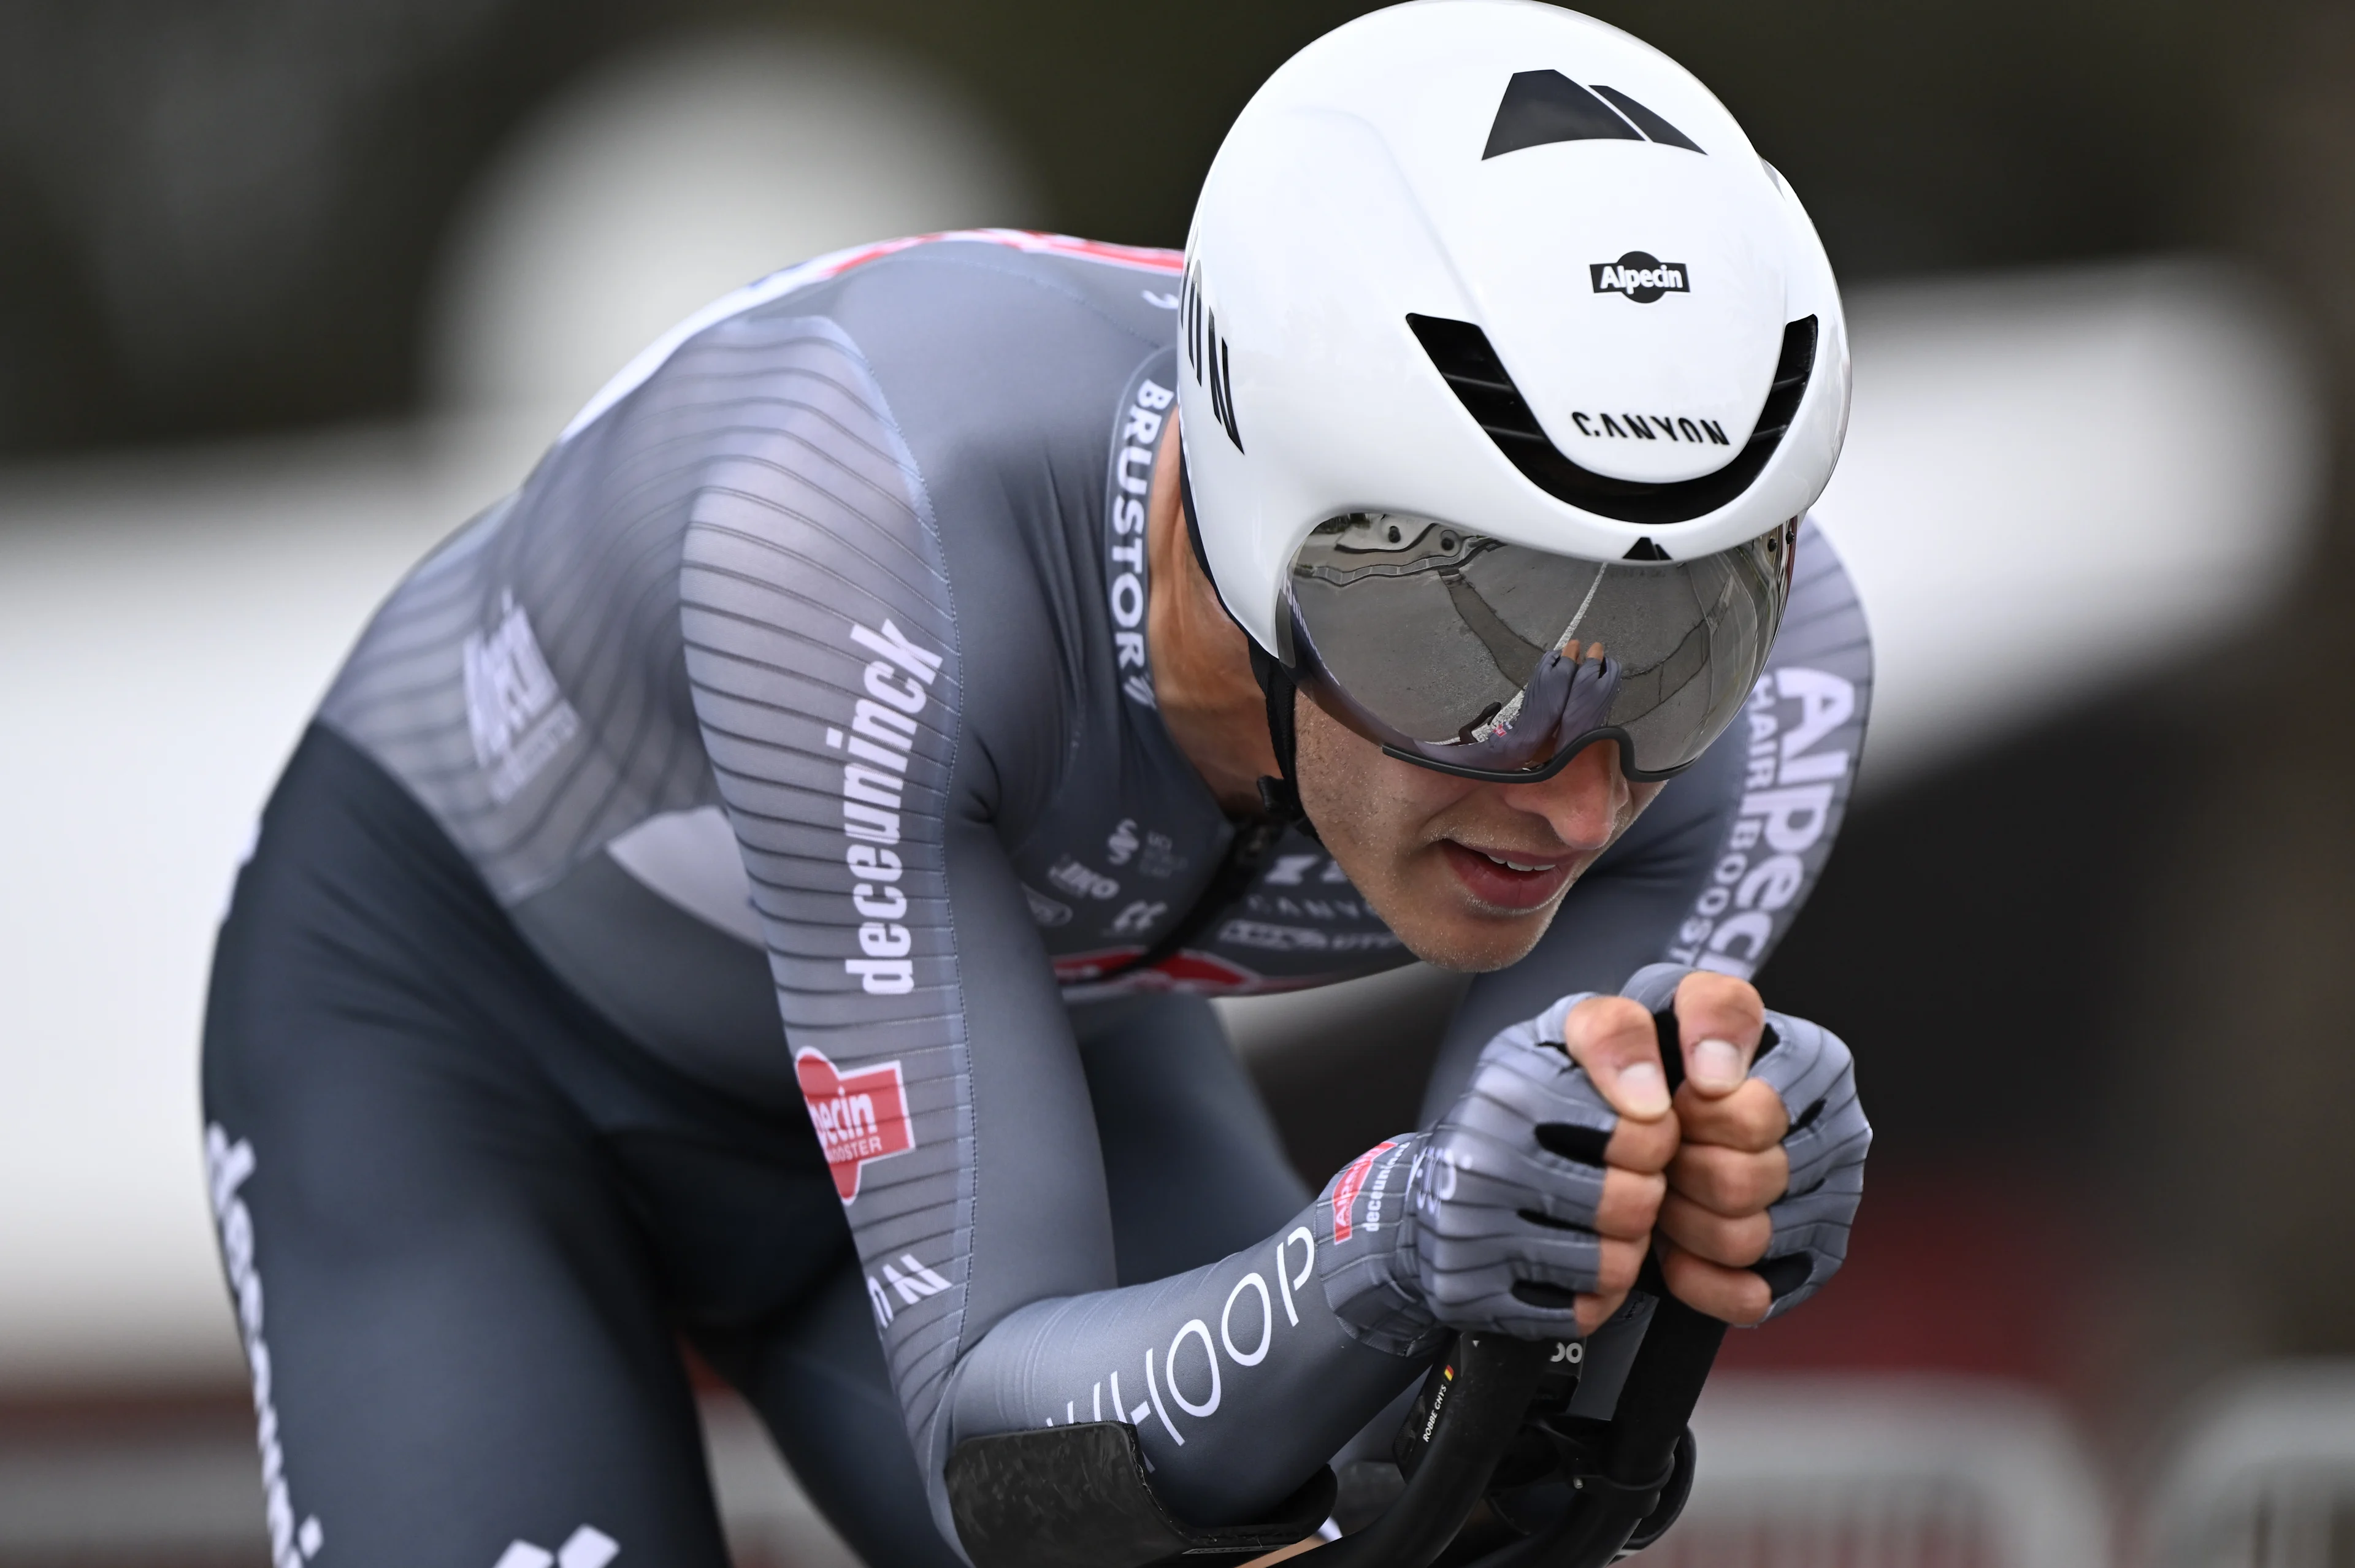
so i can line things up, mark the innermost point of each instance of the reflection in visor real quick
(1472, 653)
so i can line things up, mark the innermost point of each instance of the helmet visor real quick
(1499, 661)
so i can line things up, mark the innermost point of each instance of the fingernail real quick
(1717, 1064)
(1643, 1091)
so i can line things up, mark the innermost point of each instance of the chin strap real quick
(1278, 796)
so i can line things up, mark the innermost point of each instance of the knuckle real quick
(1631, 1203)
(1700, 1121)
(1735, 1296)
(1704, 1126)
(1689, 1176)
(1706, 1235)
(1756, 1117)
(1746, 1241)
(1594, 1310)
(1745, 1191)
(1644, 1146)
(1707, 1161)
(1729, 1241)
(1676, 1224)
(1729, 1181)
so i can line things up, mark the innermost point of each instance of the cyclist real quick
(969, 653)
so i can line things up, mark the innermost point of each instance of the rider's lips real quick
(1504, 880)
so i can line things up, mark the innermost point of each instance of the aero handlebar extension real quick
(1480, 1412)
(1484, 1409)
(1078, 1495)
(1495, 1376)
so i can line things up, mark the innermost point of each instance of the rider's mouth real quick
(1505, 879)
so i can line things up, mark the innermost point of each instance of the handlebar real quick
(1077, 1496)
(1487, 1406)
(1476, 1417)
(1640, 1458)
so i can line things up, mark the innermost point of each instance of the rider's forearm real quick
(1239, 1377)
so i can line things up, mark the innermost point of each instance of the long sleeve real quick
(830, 666)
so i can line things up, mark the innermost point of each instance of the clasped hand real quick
(1701, 1168)
(1542, 1189)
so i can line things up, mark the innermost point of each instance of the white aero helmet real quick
(1507, 368)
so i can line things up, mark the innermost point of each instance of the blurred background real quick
(288, 288)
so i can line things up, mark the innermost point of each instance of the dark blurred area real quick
(222, 215)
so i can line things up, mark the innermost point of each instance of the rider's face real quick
(1468, 874)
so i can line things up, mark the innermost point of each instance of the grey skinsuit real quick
(807, 675)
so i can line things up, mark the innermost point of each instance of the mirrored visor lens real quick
(1471, 650)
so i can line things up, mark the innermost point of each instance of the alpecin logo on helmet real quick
(1641, 277)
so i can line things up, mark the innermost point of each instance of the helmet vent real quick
(1206, 355)
(1651, 125)
(1541, 107)
(1463, 357)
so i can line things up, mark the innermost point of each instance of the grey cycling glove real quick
(1811, 1070)
(1366, 1249)
(1488, 1221)
(1490, 1215)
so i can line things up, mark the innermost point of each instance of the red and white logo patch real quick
(1199, 972)
(1350, 1183)
(859, 1116)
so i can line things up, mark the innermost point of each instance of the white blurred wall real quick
(662, 182)
(2054, 483)
(165, 625)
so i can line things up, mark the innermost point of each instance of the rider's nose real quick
(1583, 802)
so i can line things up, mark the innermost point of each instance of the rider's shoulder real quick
(985, 280)
(937, 308)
